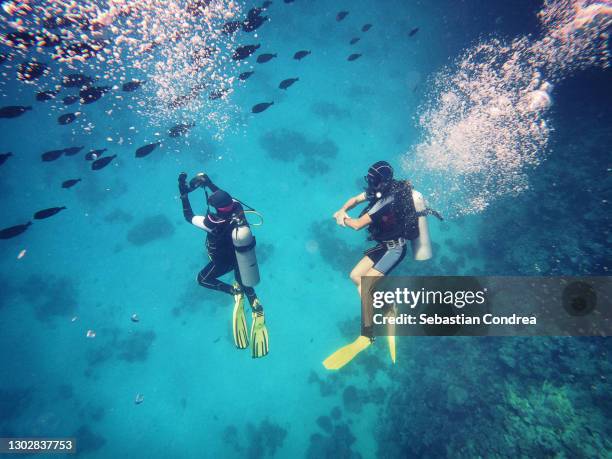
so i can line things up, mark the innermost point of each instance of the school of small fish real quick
(163, 60)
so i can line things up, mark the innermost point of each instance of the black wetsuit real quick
(219, 246)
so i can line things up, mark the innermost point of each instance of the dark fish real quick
(354, 40)
(4, 157)
(180, 129)
(183, 100)
(197, 7)
(53, 22)
(203, 55)
(353, 57)
(92, 94)
(366, 27)
(76, 80)
(94, 154)
(244, 51)
(266, 4)
(263, 58)
(67, 118)
(13, 111)
(102, 162)
(69, 100)
(48, 40)
(195, 90)
(261, 107)
(19, 38)
(231, 27)
(180, 101)
(253, 23)
(51, 155)
(46, 95)
(341, 15)
(254, 12)
(245, 75)
(288, 82)
(13, 231)
(289, 1)
(46, 213)
(301, 55)
(413, 32)
(147, 149)
(71, 151)
(217, 94)
(3, 57)
(29, 71)
(85, 50)
(132, 85)
(70, 183)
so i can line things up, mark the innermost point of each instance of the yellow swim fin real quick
(391, 342)
(347, 353)
(259, 332)
(239, 326)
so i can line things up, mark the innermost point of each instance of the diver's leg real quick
(347, 353)
(208, 277)
(248, 291)
(387, 263)
(364, 265)
(260, 342)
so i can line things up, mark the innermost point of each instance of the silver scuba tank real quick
(421, 246)
(244, 246)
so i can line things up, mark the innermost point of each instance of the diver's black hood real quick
(379, 178)
(220, 199)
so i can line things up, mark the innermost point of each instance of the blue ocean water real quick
(122, 247)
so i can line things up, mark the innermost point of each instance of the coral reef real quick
(334, 250)
(130, 346)
(287, 145)
(87, 440)
(336, 444)
(265, 439)
(13, 402)
(519, 397)
(150, 229)
(51, 296)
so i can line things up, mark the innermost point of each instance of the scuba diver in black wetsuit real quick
(395, 216)
(231, 247)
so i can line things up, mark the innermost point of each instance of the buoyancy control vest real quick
(398, 217)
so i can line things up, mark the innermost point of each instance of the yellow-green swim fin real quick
(391, 342)
(259, 332)
(347, 353)
(239, 326)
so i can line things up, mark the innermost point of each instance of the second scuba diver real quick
(395, 216)
(231, 247)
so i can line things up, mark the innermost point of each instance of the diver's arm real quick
(341, 214)
(210, 184)
(200, 222)
(196, 220)
(354, 201)
(187, 211)
(184, 193)
(358, 223)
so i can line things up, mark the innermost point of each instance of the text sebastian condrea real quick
(461, 319)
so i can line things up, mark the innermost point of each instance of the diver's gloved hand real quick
(183, 187)
(200, 180)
